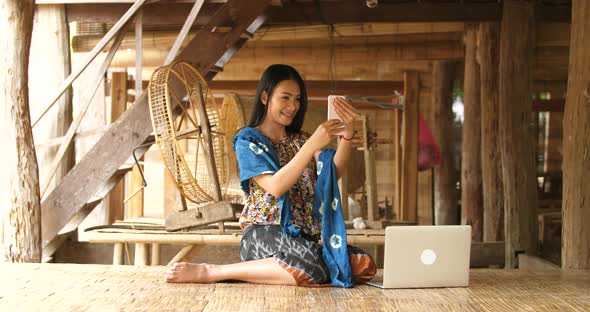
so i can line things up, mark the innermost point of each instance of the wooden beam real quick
(133, 128)
(409, 175)
(419, 11)
(488, 50)
(162, 14)
(553, 105)
(471, 174)
(445, 194)
(518, 160)
(314, 87)
(576, 134)
(184, 31)
(21, 212)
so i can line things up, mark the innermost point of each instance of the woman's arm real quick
(348, 114)
(281, 181)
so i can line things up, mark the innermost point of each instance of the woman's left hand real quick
(347, 114)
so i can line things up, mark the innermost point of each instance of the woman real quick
(280, 221)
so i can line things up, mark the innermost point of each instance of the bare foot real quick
(183, 272)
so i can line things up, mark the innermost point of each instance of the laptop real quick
(426, 256)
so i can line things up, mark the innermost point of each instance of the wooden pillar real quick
(488, 50)
(576, 133)
(118, 106)
(20, 201)
(445, 190)
(409, 179)
(49, 66)
(516, 142)
(370, 178)
(471, 181)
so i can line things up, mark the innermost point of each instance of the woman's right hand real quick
(324, 134)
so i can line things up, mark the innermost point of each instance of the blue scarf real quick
(257, 156)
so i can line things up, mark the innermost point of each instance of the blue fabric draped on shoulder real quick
(256, 156)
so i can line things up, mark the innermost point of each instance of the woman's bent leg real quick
(264, 271)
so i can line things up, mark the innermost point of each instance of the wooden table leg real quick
(155, 260)
(118, 254)
(141, 254)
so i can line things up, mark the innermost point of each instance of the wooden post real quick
(409, 178)
(516, 143)
(135, 208)
(553, 148)
(50, 41)
(118, 106)
(118, 254)
(445, 191)
(488, 50)
(141, 254)
(155, 254)
(576, 134)
(471, 181)
(20, 200)
(370, 178)
(397, 169)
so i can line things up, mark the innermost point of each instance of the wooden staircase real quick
(90, 181)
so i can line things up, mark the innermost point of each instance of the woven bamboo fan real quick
(231, 117)
(179, 87)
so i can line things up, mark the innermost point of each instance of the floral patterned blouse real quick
(263, 208)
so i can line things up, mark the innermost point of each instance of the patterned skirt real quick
(301, 257)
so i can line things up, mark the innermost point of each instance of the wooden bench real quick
(482, 254)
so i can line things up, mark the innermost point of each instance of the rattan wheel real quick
(179, 86)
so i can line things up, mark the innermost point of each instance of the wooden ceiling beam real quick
(358, 12)
(341, 12)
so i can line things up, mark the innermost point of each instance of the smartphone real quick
(331, 110)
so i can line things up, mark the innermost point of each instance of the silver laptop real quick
(426, 256)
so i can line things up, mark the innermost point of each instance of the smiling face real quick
(284, 103)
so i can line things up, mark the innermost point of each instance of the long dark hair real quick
(271, 77)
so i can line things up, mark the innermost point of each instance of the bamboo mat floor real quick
(74, 287)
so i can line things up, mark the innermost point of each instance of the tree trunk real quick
(516, 142)
(445, 191)
(471, 183)
(576, 145)
(488, 50)
(21, 210)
